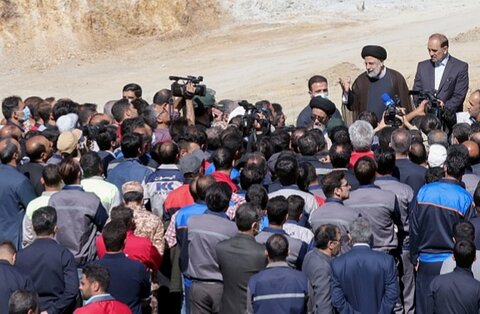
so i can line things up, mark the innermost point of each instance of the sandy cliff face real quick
(62, 28)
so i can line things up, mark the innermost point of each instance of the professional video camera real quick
(391, 111)
(433, 105)
(254, 115)
(180, 89)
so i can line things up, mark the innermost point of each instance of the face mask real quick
(322, 94)
(26, 114)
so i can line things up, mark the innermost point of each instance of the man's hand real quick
(345, 84)
(189, 90)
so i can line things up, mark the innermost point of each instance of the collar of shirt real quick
(48, 193)
(274, 230)
(451, 181)
(95, 178)
(443, 63)
(292, 187)
(386, 177)
(277, 264)
(291, 221)
(368, 186)
(99, 297)
(169, 167)
(76, 187)
(218, 214)
(463, 270)
(361, 245)
(333, 200)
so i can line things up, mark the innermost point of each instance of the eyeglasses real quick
(320, 119)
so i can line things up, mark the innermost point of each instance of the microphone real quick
(387, 100)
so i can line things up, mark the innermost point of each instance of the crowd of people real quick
(193, 205)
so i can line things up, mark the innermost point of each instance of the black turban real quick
(374, 51)
(324, 104)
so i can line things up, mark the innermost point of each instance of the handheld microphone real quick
(387, 100)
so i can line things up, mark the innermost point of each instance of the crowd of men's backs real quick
(197, 206)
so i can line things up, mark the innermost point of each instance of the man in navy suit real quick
(363, 280)
(443, 73)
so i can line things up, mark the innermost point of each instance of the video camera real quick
(391, 111)
(180, 89)
(433, 105)
(252, 115)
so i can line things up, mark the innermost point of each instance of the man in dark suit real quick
(364, 280)
(458, 291)
(10, 277)
(51, 266)
(443, 73)
(239, 258)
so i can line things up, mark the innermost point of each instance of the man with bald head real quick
(39, 150)
(473, 105)
(16, 192)
(443, 74)
(469, 178)
(10, 131)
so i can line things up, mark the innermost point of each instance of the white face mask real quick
(321, 94)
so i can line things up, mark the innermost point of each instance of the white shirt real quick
(439, 69)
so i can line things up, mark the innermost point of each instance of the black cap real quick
(324, 104)
(374, 51)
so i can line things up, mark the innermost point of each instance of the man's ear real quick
(266, 253)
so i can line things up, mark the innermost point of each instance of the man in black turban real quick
(366, 92)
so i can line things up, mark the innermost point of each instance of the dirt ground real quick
(256, 60)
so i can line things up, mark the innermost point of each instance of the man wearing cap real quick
(202, 106)
(366, 92)
(67, 144)
(443, 73)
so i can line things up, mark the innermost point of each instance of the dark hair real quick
(63, 107)
(199, 187)
(141, 105)
(316, 79)
(385, 159)
(401, 140)
(339, 135)
(21, 302)
(132, 145)
(119, 109)
(434, 174)
(461, 131)
(106, 135)
(98, 273)
(370, 117)
(10, 105)
(167, 153)
(86, 111)
(430, 122)
(463, 230)
(307, 145)
(332, 181)
(114, 235)
(91, 164)
(213, 137)
(265, 147)
(438, 137)
(325, 234)
(44, 110)
(194, 134)
(10, 149)
(32, 103)
(69, 170)
(232, 139)
(132, 87)
(257, 195)
(246, 215)
(286, 170)
(340, 155)
(457, 160)
(418, 153)
(222, 159)
(38, 148)
(177, 128)
(51, 175)
(277, 210)
(464, 252)
(365, 170)
(218, 196)
(44, 220)
(306, 175)
(385, 136)
(280, 140)
(319, 138)
(129, 125)
(162, 96)
(133, 196)
(277, 247)
(295, 206)
(251, 174)
(123, 214)
(296, 135)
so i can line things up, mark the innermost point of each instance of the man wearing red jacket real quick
(93, 286)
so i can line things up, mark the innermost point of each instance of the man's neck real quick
(227, 172)
(47, 236)
(275, 226)
(449, 177)
(326, 252)
(114, 252)
(384, 175)
(248, 232)
(401, 156)
(52, 188)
